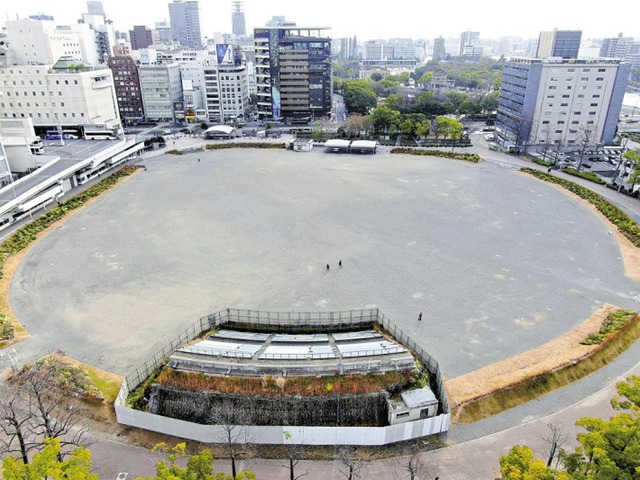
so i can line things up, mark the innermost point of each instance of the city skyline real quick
(412, 20)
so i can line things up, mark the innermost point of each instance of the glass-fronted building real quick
(294, 75)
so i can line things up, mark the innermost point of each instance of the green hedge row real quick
(467, 157)
(586, 175)
(27, 234)
(221, 146)
(626, 225)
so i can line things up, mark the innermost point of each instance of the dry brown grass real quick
(530, 388)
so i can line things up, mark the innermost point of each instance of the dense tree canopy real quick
(48, 464)
(608, 449)
(358, 96)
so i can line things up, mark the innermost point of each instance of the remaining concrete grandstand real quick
(282, 350)
(233, 352)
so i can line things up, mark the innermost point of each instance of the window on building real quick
(558, 131)
(599, 79)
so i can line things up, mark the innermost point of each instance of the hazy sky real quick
(368, 19)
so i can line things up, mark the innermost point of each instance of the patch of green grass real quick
(107, 384)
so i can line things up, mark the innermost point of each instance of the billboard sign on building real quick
(221, 52)
(178, 111)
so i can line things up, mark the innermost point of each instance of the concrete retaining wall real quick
(274, 435)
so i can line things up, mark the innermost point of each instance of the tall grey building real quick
(348, 47)
(238, 27)
(559, 43)
(468, 39)
(185, 23)
(616, 47)
(439, 52)
(140, 37)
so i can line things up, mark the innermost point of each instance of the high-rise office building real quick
(238, 27)
(439, 52)
(348, 47)
(185, 23)
(127, 86)
(559, 43)
(293, 68)
(616, 47)
(140, 37)
(468, 39)
(161, 91)
(564, 102)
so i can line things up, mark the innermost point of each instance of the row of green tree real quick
(385, 121)
(608, 449)
(483, 73)
(360, 96)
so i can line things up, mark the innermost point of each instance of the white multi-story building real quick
(38, 42)
(193, 89)
(60, 96)
(105, 36)
(226, 85)
(374, 50)
(161, 90)
(566, 102)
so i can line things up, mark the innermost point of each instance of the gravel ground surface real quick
(498, 262)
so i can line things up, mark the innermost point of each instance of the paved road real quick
(475, 459)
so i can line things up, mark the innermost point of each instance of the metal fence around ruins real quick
(257, 317)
